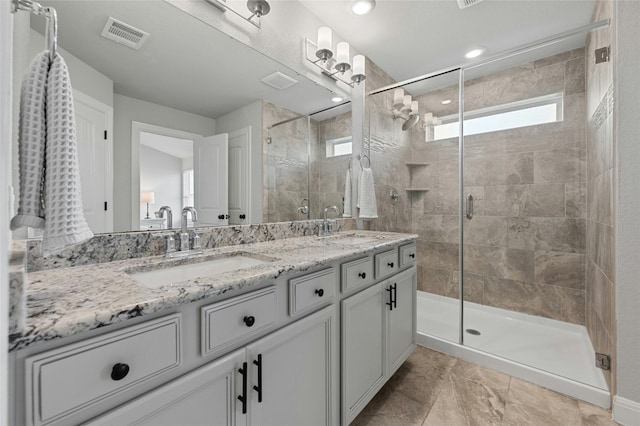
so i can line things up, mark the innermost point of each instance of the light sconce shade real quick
(414, 107)
(406, 106)
(358, 69)
(428, 117)
(342, 57)
(324, 51)
(398, 98)
(258, 8)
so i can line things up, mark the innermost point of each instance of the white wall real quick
(126, 110)
(162, 174)
(249, 115)
(6, 29)
(627, 95)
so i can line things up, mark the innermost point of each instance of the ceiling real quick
(409, 38)
(191, 66)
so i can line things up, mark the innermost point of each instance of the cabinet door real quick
(401, 319)
(207, 396)
(294, 373)
(363, 349)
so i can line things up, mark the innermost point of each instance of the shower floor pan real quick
(549, 353)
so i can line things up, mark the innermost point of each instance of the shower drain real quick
(473, 331)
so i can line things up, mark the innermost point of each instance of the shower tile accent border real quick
(128, 245)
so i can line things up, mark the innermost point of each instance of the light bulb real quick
(398, 98)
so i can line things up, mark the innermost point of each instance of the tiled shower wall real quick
(285, 153)
(525, 246)
(601, 172)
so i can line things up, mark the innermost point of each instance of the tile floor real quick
(433, 389)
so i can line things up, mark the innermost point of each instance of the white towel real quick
(367, 195)
(63, 218)
(347, 194)
(31, 141)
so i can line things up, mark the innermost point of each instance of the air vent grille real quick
(467, 3)
(279, 80)
(124, 34)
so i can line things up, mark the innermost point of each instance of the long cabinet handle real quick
(395, 295)
(258, 388)
(390, 302)
(243, 397)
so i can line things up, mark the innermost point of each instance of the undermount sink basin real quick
(167, 275)
(354, 239)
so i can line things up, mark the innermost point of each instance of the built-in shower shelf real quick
(417, 164)
(416, 189)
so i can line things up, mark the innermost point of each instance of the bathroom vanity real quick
(299, 331)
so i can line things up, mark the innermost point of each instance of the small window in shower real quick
(513, 115)
(339, 146)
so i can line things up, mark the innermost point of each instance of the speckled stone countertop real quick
(64, 301)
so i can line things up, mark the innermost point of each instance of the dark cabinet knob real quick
(119, 371)
(249, 321)
(390, 264)
(243, 216)
(320, 292)
(362, 275)
(221, 216)
(412, 255)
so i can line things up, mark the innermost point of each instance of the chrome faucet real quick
(327, 227)
(304, 208)
(161, 212)
(184, 234)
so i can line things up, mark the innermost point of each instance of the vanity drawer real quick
(65, 380)
(227, 323)
(407, 255)
(357, 273)
(386, 263)
(311, 291)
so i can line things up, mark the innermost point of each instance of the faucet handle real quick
(171, 241)
(197, 242)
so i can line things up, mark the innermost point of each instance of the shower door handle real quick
(469, 207)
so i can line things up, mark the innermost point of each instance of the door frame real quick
(79, 96)
(136, 128)
(247, 130)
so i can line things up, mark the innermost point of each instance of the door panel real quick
(211, 164)
(239, 176)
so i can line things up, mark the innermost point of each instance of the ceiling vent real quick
(467, 3)
(123, 33)
(279, 80)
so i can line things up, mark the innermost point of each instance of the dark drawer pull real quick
(243, 216)
(119, 371)
(319, 292)
(249, 321)
(390, 264)
(258, 387)
(362, 275)
(412, 255)
(243, 397)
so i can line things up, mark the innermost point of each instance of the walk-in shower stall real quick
(501, 200)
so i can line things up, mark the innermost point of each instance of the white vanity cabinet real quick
(378, 335)
(289, 377)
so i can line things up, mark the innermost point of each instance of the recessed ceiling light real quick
(336, 99)
(474, 53)
(362, 7)
(446, 102)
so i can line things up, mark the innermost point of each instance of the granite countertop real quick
(65, 301)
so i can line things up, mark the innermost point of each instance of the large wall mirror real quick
(194, 117)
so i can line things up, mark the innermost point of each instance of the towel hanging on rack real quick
(347, 193)
(50, 194)
(367, 195)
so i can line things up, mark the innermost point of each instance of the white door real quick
(295, 373)
(239, 176)
(207, 396)
(210, 169)
(363, 349)
(93, 124)
(401, 324)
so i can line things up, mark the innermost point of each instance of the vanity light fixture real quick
(258, 9)
(339, 67)
(405, 108)
(363, 7)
